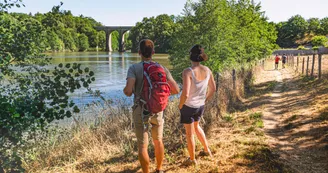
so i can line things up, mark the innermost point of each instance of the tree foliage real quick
(324, 26)
(64, 30)
(159, 29)
(314, 26)
(231, 32)
(297, 31)
(319, 41)
(115, 42)
(83, 43)
(31, 96)
(291, 31)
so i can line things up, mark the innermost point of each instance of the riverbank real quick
(108, 141)
(238, 126)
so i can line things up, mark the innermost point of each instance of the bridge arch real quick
(108, 30)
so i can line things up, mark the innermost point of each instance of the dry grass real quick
(108, 144)
(324, 65)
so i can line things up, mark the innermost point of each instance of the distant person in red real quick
(276, 60)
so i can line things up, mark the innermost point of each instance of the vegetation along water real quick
(37, 90)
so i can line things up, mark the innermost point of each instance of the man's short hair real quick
(146, 48)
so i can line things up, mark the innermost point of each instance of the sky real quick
(129, 12)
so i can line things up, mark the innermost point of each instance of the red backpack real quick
(156, 90)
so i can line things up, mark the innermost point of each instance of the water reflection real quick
(110, 71)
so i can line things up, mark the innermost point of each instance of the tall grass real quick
(88, 145)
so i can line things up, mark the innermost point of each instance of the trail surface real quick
(293, 123)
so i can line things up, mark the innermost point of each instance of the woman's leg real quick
(190, 131)
(201, 136)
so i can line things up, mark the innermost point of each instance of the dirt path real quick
(291, 123)
(271, 113)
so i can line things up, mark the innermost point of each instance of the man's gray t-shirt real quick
(136, 71)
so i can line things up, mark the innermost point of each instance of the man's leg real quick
(142, 139)
(143, 154)
(159, 153)
(157, 122)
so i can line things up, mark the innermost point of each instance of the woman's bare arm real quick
(211, 87)
(186, 87)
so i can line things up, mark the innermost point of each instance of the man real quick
(276, 61)
(284, 57)
(134, 86)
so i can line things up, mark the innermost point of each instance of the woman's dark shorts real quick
(190, 115)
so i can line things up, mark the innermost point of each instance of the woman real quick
(198, 87)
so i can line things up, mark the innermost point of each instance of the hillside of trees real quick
(298, 31)
(65, 32)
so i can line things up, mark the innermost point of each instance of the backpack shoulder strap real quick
(142, 72)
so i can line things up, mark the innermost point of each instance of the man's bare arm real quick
(128, 90)
(174, 87)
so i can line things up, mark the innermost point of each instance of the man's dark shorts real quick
(190, 115)
(283, 61)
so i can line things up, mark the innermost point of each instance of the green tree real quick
(233, 33)
(324, 26)
(314, 26)
(54, 42)
(63, 27)
(115, 42)
(319, 41)
(31, 97)
(83, 43)
(159, 29)
(69, 40)
(102, 40)
(291, 31)
(128, 42)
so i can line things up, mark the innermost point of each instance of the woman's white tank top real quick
(198, 90)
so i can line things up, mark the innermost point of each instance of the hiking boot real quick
(159, 171)
(204, 154)
(189, 162)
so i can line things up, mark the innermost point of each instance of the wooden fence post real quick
(297, 63)
(217, 78)
(303, 63)
(234, 79)
(313, 60)
(319, 65)
(307, 66)
(291, 60)
(263, 64)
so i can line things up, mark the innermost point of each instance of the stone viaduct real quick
(108, 30)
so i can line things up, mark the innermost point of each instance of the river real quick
(110, 71)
